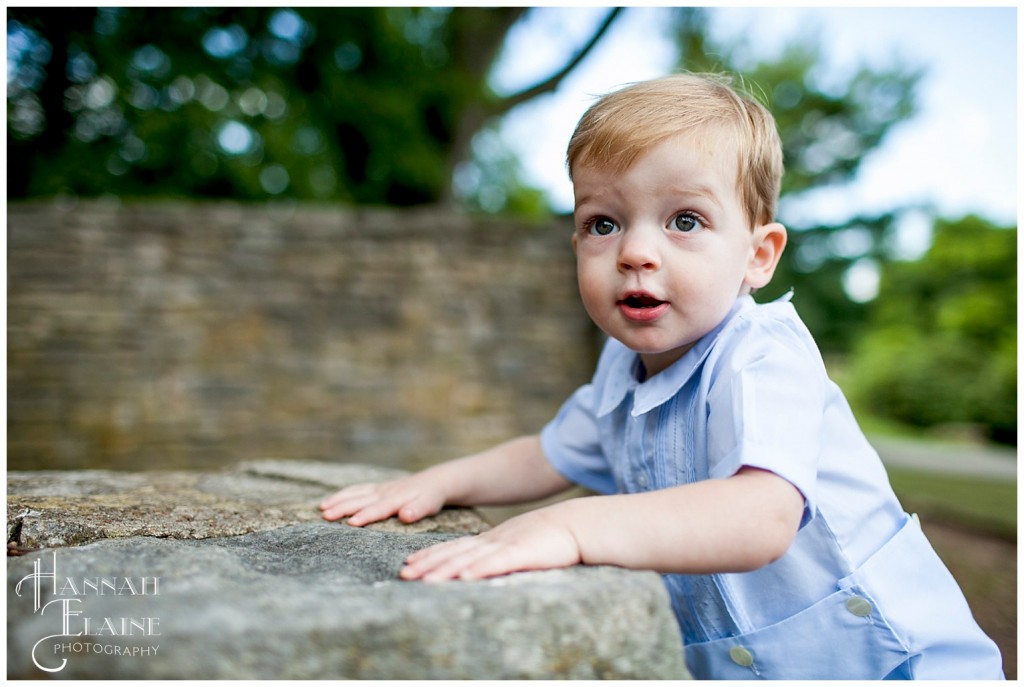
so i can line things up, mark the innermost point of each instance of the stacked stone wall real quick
(184, 334)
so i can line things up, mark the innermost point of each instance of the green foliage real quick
(828, 123)
(361, 105)
(941, 345)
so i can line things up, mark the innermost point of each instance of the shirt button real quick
(641, 479)
(859, 606)
(741, 656)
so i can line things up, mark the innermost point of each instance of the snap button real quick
(741, 656)
(859, 606)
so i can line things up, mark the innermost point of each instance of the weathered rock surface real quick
(232, 575)
(58, 508)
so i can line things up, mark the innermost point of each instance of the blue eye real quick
(687, 223)
(602, 227)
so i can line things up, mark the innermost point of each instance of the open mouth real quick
(642, 307)
(640, 300)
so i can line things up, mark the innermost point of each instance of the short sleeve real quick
(572, 444)
(766, 406)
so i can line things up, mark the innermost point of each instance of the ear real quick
(769, 241)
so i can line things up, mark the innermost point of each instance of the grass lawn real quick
(972, 523)
(987, 505)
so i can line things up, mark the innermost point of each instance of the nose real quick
(638, 250)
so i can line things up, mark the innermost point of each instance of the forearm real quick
(513, 472)
(730, 525)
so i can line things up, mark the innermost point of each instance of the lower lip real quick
(643, 314)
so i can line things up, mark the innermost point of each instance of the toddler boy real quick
(724, 457)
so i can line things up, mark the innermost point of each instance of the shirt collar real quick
(651, 393)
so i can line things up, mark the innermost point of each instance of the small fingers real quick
(343, 495)
(408, 509)
(497, 560)
(366, 503)
(419, 507)
(349, 506)
(447, 561)
(373, 511)
(432, 555)
(527, 542)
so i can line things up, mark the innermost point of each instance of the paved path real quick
(995, 462)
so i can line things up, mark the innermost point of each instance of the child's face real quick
(664, 248)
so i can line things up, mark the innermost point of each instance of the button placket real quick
(638, 431)
(650, 466)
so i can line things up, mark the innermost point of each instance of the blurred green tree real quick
(829, 121)
(368, 105)
(942, 342)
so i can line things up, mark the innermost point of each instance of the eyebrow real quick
(698, 191)
(582, 201)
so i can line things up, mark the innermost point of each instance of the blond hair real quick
(625, 124)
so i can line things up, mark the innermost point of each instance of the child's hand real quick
(537, 540)
(411, 498)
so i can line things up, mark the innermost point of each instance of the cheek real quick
(591, 284)
(587, 285)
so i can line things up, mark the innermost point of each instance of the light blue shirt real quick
(860, 594)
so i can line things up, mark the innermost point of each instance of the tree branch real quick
(551, 83)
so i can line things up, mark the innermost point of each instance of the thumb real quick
(419, 508)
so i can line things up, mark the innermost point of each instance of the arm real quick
(735, 524)
(513, 472)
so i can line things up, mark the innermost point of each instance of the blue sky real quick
(959, 153)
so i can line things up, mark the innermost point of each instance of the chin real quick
(656, 349)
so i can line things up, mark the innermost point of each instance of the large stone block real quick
(168, 587)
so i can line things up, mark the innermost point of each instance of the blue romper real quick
(860, 594)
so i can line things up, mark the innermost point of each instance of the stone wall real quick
(197, 334)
